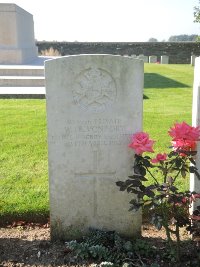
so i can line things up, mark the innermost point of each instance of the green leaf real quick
(142, 187)
(173, 188)
(135, 205)
(197, 174)
(191, 169)
(135, 183)
(119, 183)
(183, 173)
(192, 161)
(122, 185)
(146, 163)
(149, 193)
(137, 176)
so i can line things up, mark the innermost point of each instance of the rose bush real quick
(168, 206)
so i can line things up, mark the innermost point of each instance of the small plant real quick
(110, 247)
(168, 206)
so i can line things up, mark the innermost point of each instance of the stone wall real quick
(178, 52)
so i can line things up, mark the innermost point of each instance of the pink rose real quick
(140, 142)
(159, 157)
(184, 145)
(183, 131)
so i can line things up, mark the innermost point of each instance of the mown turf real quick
(168, 91)
(23, 158)
(23, 138)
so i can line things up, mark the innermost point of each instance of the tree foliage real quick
(152, 40)
(183, 38)
(197, 13)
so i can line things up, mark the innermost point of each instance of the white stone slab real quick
(17, 42)
(153, 59)
(144, 58)
(193, 60)
(164, 59)
(94, 103)
(194, 182)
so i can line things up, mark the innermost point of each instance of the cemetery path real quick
(23, 245)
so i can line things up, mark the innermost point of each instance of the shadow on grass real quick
(154, 80)
(39, 217)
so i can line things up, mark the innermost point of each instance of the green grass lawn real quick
(168, 100)
(23, 138)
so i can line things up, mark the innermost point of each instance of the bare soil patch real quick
(30, 245)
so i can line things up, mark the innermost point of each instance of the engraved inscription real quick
(93, 132)
(94, 90)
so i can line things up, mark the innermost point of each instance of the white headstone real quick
(152, 59)
(164, 59)
(17, 42)
(194, 182)
(94, 103)
(193, 60)
(144, 58)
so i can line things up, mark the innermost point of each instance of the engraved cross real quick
(95, 174)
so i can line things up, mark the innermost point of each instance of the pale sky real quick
(110, 20)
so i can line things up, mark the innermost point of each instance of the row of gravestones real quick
(152, 59)
(94, 104)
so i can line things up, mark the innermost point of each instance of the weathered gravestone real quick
(17, 42)
(94, 103)
(144, 58)
(164, 59)
(193, 60)
(194, 182)
(153, 59)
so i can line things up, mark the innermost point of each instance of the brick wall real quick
(178, 52)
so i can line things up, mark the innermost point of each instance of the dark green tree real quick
(197, 13)
(152, 40)
(183, 38)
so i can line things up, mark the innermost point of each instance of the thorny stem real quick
(165, 224)
(177, 243)
(152, 175)
(179, 170)
(177, 175)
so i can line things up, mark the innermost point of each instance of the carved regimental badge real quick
(94, 90)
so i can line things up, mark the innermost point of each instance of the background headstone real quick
(17, 42)
(193, 60)
(144, 58)
(94, 104)
(152, 59)
(194, 182)
(164, 59)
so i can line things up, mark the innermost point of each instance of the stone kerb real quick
(194, 182)
(94, 104)
(17, 41)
